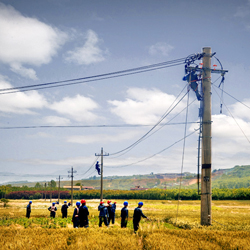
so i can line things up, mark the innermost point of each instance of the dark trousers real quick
(103, 219)
(52, 214)
(75, 222)
(111, 218)
(28, 215)
(84, 223)
(124, 222)
(136, 224)
(64, 215)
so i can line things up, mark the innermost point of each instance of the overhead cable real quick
(94, 126)
(134, 163)
(139, 140)
(94, 78)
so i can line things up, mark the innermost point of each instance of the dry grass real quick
(230, 229)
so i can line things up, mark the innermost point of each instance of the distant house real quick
(79, 188)
(74, 187)
(138, 188)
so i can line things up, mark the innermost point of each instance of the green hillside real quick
(237, 177)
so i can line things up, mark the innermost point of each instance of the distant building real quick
(79, 188)
(74, 187)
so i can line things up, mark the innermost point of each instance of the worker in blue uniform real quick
(192, 79)
(124, 215)
(64, 210)
(75, 217)
(137, 216)
(28, 209)
(53, 210)
(103, 214)
(83, 215)
(97, 167)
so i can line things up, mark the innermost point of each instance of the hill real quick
(236, 177)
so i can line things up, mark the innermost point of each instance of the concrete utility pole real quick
(50, 190)
(45, 189)
(101, 198)
(206, 171)
(205, 134)
(71, 172)
(59, 188)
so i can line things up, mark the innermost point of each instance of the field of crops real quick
(165, 230)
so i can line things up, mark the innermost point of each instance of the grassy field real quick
(165, 229)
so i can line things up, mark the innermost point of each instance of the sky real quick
(49, 41)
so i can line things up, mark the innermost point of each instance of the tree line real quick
(152, 194)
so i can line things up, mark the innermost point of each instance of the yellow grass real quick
(165, 230)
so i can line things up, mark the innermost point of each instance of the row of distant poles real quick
(71, 175)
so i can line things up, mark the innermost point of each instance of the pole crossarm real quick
(218, 71)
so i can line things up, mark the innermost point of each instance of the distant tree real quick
(52, 184)
(5, 201)
(78, 184)
(38, 185)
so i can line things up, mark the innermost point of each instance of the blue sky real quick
(47, 41)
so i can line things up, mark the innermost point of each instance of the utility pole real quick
(101, 198)
(71, 172)
(50, 190)
(206, 171)
(205, 132)
(59, 188)
(45, 189)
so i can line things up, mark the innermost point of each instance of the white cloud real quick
(25, 72)
(25, 40)
(241, 111)
(143, 106)
(87, 139)
(160, 48)
(20, 102)
(87, 54)
(56, 120)
(78, 108)
(230, 146)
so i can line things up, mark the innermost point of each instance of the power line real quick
(234, 119)
(139, 140)
(96, 126)
(149, 157)
(233, 97)
(94, 78)
(162, 125)
(91, 165)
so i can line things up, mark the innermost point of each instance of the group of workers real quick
(106, 213)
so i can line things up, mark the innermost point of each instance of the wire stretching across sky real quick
(162, 118)
(95, 77)
(134, 163)
(234, 118)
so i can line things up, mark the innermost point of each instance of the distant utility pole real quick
(101, 198)
(45, 190)
(50, 190)
(59, 188)
(71, 175)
